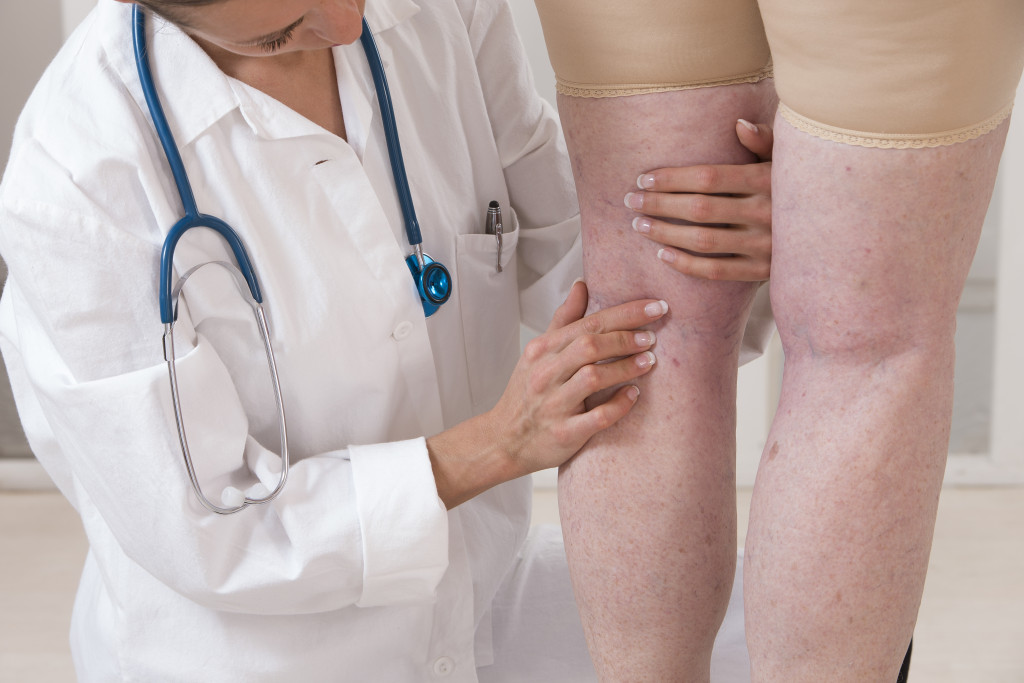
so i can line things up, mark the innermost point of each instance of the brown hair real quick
(175, 11)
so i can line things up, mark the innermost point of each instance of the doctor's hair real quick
(174, 11)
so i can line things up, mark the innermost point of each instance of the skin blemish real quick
(675, 362)
(773, 451)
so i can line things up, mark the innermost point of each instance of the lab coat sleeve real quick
(80, 332)
(536, 164)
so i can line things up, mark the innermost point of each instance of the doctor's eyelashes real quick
(275, 41)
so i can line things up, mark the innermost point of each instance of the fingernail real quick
(642, 224)
(645, 338)
(634, 200)
(667, 255)
(579, 279)
(645, 182)
(633, 392)
(645, 359)
(748, 125)
(656, 309)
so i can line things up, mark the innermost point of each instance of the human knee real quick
(864, 334)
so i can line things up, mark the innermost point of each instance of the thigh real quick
(871, 247)
(913, 73)
(607, 48)
(611, 142)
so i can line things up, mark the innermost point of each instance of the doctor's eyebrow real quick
(275, 38)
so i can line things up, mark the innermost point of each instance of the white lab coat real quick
(356, 572)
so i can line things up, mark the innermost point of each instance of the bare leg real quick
(871, 251)
(648, 508)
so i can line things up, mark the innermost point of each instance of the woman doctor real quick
(380, 559)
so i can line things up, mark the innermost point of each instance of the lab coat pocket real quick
(489, 303)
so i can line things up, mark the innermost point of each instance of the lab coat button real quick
(444, 666)
(402, 331)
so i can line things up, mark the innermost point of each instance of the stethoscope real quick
(432, 279)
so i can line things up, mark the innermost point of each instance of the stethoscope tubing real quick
(163, 130)
(387, 112)
(192, 217)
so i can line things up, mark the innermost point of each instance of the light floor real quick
(971, 627)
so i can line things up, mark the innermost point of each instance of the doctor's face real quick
(254, 28)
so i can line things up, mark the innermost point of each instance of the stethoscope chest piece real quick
(433, 281)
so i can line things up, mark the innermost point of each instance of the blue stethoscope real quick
(432, 279)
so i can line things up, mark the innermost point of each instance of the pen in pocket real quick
(493, 227)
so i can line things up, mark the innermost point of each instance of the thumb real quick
(757, 137)
(574, 307)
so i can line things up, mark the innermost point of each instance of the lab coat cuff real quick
(403, 522)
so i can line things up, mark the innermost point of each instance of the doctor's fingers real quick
(581, 427)
(710, 179)
(573, 308)
(759, 138)
(738, 267)
(633, 315)
(754, 209)
(748, 240)
(584, 355)
(593, 379)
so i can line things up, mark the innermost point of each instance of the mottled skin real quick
(870, 253)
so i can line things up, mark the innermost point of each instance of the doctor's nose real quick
(340, 21)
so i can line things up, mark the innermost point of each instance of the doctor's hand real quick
(541, 420)
(729, 206)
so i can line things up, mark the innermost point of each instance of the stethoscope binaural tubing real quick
(192, 217)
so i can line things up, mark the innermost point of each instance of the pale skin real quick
(283, 47)
(648, 507)
(871, 250)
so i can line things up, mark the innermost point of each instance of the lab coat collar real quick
(384, 14)
(196, 94)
